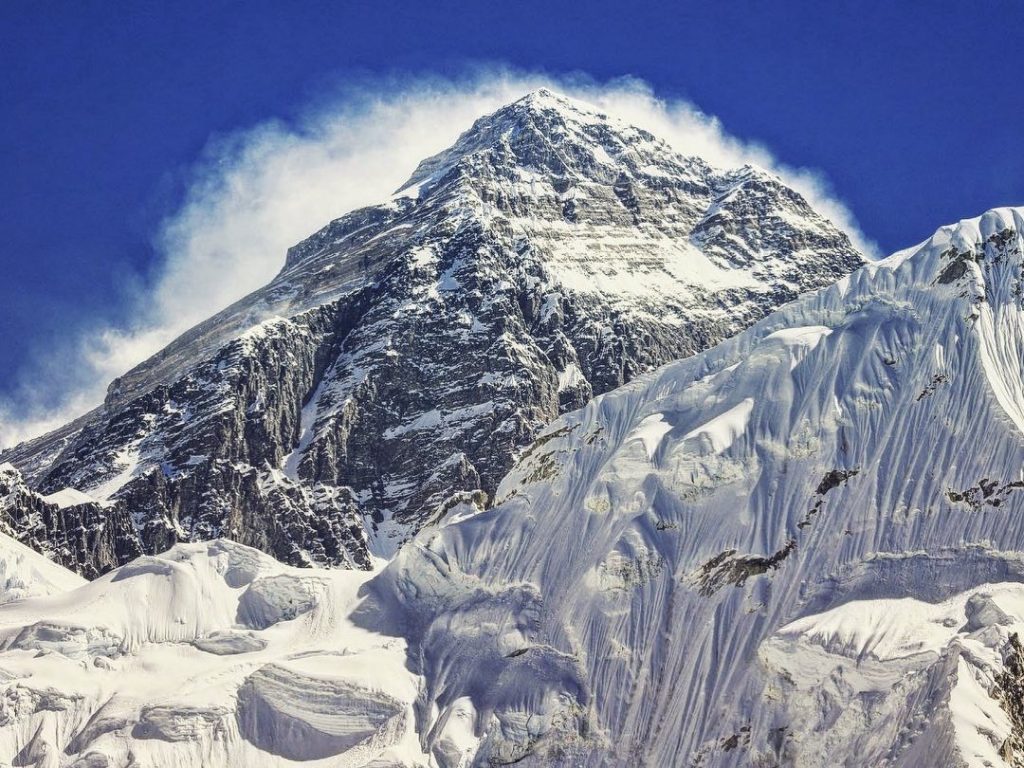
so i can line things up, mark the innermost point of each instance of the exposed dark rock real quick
(1011, 695)
(728, 568)
(929, 390)
(986, 493)
(833, 479)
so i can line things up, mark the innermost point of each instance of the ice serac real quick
(408, 351)
(801, 547)
(164, 662)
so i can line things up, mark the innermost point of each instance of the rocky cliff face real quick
(408, 352)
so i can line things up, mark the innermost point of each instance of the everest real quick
(576, 452)
(408, 353)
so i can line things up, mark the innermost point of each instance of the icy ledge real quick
(209, 654)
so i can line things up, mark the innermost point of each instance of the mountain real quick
(409, 351)
(801, 547)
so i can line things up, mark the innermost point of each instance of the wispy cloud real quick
(257, 192)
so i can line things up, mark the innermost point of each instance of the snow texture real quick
(798, 548)
(210, 654)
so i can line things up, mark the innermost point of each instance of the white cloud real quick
(259, 191)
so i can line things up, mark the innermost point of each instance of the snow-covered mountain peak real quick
(545, 97)
(967, 235)
(553, 135)
(408, 351)
(979, 263)
(544, 101)
(970, 233)
(799, 546)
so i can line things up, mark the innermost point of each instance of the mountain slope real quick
(408, 351)
(799, 548)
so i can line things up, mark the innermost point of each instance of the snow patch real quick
(68, 497)
(651, 431)
(722, 431)
(570, 378)
(800, 341)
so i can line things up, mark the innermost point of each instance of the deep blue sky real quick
(913, 110)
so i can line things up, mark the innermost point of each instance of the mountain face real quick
(799, 548)
(408, 352)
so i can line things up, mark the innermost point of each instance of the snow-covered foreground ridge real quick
(688, 570)
(211, 654)
(802, 547)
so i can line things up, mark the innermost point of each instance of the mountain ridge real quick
(737, 520)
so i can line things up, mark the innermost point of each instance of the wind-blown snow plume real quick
(259, 191)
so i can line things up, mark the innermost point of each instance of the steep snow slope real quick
(792, 549)
(408, 351)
